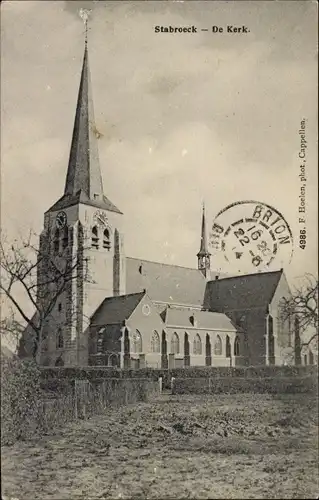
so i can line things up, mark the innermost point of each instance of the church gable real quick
(282, 292)
(281, 324)
(146, 313)
(145, 317)
(146, 332)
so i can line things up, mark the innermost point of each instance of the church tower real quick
(203, 255)
(83, 229)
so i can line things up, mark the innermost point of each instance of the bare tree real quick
(302, 307)
(32, 279)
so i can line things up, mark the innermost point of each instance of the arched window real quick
(95, 237)
(228, 347)
(59, 339)
(218, 348)
(56, 241)
(113, 360)
(59, 361)
(236, 347)
(137, 342)
(155, 342)
(106, 239)
(284, 320)
(65, 237)
(175, 344)
(99, 347)
(100, 341)
(197, 345)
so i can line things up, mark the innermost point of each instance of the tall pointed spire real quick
(203, 240)
(84, 180)
(84, 171)
(203, 254)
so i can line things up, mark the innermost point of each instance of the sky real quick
(184, 118)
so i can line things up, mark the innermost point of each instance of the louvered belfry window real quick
(95, 237)
(106, 239)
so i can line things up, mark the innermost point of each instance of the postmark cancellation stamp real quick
(252, 235)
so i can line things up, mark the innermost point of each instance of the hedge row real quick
(92, 373)
(20, 393)
(235, 385)
(244, 371)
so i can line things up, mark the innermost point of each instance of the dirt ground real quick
(223, 446)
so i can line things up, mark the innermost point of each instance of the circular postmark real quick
(251, 235)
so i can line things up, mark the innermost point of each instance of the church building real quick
(128, 312)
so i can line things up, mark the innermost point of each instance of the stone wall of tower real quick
(99, 261)
(100, 273)
(61, 318)
(103, 268)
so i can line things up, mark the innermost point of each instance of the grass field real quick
(224, 446)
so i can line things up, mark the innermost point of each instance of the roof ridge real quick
(194, 311)
(143, 292)
(165, 264)
(280, 271)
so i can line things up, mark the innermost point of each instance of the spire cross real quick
(84, 14)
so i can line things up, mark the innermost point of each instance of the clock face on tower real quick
(61, 220)
(100, 218)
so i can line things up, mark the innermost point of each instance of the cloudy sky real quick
(184, 118)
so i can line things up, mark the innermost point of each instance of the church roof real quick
(203, 319)
(165, 283)
(84, 180)
(114, 310)
(242, 292)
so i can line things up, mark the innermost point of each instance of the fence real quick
(93, 397)
(40, 410)
(82, 398)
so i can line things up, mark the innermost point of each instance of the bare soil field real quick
(222, 446)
